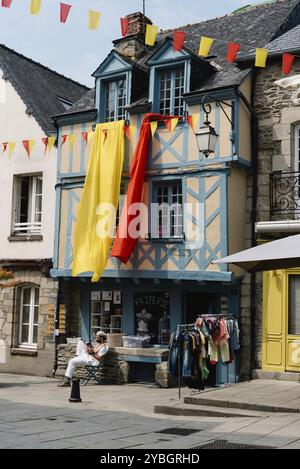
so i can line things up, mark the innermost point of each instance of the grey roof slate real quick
(39, 87)
(251, 27)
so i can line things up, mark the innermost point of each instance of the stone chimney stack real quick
(133, 44)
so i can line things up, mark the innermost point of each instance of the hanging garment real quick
(96, 221)
(124, 244)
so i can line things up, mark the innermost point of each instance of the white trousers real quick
(82, 358)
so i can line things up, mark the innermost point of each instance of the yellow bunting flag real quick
(205, 46)
(91, 134)
(196, 120)
(51, 142)
(11, 147)
(174, 123)
(71, 139)
(261, 57)
(35, 7)
(153, 126)
(94, 19)
(151, 33)
(133, 131)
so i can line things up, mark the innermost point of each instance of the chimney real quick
(133, 44)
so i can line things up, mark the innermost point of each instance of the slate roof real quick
(39, 87)
(253, 26)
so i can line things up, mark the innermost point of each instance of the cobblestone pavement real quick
(35, 413)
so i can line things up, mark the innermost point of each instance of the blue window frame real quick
(171, 89)
(167, 213)
(115, 100)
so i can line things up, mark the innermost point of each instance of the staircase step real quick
(208, 402)
(189, 410)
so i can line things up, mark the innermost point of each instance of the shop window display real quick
(152, 316)
(106, 312)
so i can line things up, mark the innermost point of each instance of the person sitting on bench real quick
(86, 354)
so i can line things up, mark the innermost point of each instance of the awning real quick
(280, 254)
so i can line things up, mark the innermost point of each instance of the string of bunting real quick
(130, 132)
(35, 7)
(206, 44)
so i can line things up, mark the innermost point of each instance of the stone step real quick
(228, 404)
(190, 410)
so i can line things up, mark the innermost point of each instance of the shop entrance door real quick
(293, 324)
(199, 303)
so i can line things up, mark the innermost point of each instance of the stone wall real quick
(14, 359)
(277, 113)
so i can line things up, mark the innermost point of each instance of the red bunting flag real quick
(85, 136)
(45, 142)
(178, 40)
(28, 144)
(63, 139)
(6, 3)
(287, 63)
(4, 145)
(190, 122)
(127, 131)
(232, 51)
(124, 26)
(64, 12)
(167, 123)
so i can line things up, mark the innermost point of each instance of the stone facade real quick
(14, 359)
(277, 114)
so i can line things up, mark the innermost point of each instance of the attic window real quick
(171, 82)
(115, 100)
(65, 102)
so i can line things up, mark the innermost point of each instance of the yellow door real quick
(281, 321)
(293, 321)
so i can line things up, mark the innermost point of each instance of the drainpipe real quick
(254, 159)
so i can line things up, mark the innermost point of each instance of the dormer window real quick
(114, 100)
(171, 82)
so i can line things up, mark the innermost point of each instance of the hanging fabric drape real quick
(124, 244)
(96, 216)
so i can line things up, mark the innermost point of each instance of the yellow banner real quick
(205, 46)
(151, 33)
(94, 19)
(35, 7)
(261, 57)
(96, 215)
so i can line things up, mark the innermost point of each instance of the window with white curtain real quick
(29, 316)
(294, 305)
(28, 196)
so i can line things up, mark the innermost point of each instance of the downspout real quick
(254, 159)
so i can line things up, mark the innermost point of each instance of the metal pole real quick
(144, 8)
(179, 375)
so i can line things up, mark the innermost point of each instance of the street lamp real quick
(206, 136)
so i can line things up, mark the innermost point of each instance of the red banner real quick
(232, 51)
(6, 3)
(178, 40)
(64, 12)
(124, 26)
(287, 62)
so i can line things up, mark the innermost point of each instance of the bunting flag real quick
(35, 7)
(94, 19)
(261, 57)
(232, 51)
(124, 26)
(64, 12)
(153, 126)
(51, 142)
(178, 40)
(85, 136)
(28, 145)
(4, 146)
(127, 131)
(63, 139)
(45, 142)
(6, 3)
(151, 33)
(174, 123)
(287, 63)
(71, 139)
(193, 121)
(206, 44)
(11, 147)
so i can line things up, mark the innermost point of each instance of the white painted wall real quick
(16, 125)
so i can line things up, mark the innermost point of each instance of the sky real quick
(75, 51)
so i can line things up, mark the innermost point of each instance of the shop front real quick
(143, 313)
